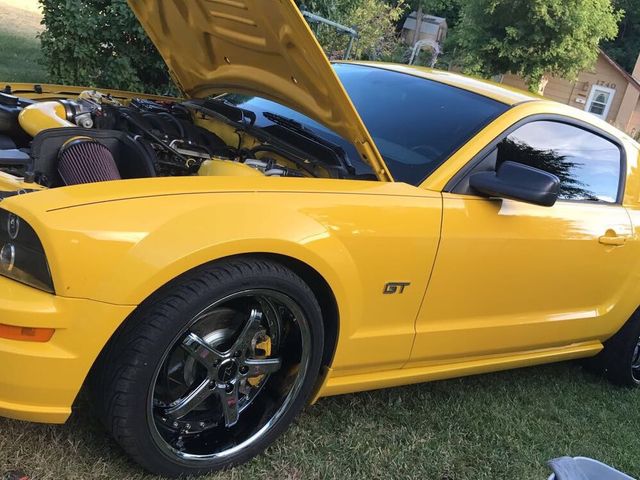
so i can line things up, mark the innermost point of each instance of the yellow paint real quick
(43, 115)
(492, 284)
(227, 168)
(53, 91)
(472, 366)
(525, 277)
(9, 183)
(264, 349)
(255, 47)
(39, 381)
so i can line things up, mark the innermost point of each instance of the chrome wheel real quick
(635, 362)
(230, 375)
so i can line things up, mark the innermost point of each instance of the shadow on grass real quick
(496, 426)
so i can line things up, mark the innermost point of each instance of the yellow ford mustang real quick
(290, 230)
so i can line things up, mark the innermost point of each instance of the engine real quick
(96, 137)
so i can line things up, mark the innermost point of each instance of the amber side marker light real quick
(26, 334)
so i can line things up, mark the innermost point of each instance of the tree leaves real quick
(100, 43)
(626, 46)
(375, 21)
(533, 38)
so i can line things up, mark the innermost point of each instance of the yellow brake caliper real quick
(262, 350)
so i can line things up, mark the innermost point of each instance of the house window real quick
(600, 100)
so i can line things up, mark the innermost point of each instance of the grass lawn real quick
(20, 56)
(497, 426)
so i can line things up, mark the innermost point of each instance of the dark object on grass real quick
(14, 475)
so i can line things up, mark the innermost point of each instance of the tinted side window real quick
(587, 165)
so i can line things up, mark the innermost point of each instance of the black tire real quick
(126, 379)
(620, 359)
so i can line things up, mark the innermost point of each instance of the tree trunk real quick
(542, 85)
(416, 33)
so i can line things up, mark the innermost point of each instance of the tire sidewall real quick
(150, 360)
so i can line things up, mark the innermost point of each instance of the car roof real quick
(495, 91)
(498, 92)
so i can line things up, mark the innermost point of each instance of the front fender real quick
(120, 251)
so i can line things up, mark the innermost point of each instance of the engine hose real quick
(151, 135)
(270, 149)
(42, 116)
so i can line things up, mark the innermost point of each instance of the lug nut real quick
(244, 370)
(237, 353)
(229, 388)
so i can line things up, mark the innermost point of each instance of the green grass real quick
(499, 426)
(20, 59)
(20, 56)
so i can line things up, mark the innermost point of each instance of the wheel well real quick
(324, 295)
(315, 281)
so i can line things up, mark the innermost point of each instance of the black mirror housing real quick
(517, 181)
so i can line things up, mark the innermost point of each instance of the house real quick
(606, 91)
(430, 28)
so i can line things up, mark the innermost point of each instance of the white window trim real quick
(595, 88)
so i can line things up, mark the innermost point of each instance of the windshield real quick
(416, 123)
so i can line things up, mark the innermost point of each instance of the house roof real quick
(633, 81)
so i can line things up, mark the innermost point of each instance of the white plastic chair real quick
(582, 468)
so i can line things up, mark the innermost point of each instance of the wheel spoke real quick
(250, 329)
(186, 404)
(265, 366)
(229, 400)
(635, 358)
(200, 350)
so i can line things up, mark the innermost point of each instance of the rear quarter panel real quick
(632, 203)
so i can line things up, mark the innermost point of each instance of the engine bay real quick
(97, 137)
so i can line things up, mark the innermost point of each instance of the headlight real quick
(22, 257)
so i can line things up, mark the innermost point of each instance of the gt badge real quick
(395, 287)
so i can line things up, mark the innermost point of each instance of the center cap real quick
(227, 370)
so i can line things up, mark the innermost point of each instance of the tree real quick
(375, 21)
(533, 38)
(550, 161)
(100, 43)
(625, 48)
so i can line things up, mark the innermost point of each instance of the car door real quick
(514, 277)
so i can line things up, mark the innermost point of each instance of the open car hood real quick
(254, 47)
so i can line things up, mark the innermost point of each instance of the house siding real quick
(576, 93)
(634, 124)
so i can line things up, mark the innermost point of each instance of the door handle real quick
(616, 240)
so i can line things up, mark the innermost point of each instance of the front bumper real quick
(40, 381)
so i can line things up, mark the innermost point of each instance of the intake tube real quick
(43, 115)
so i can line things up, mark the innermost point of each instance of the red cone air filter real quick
(84, 160)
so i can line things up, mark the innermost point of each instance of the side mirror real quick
(517, 181)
